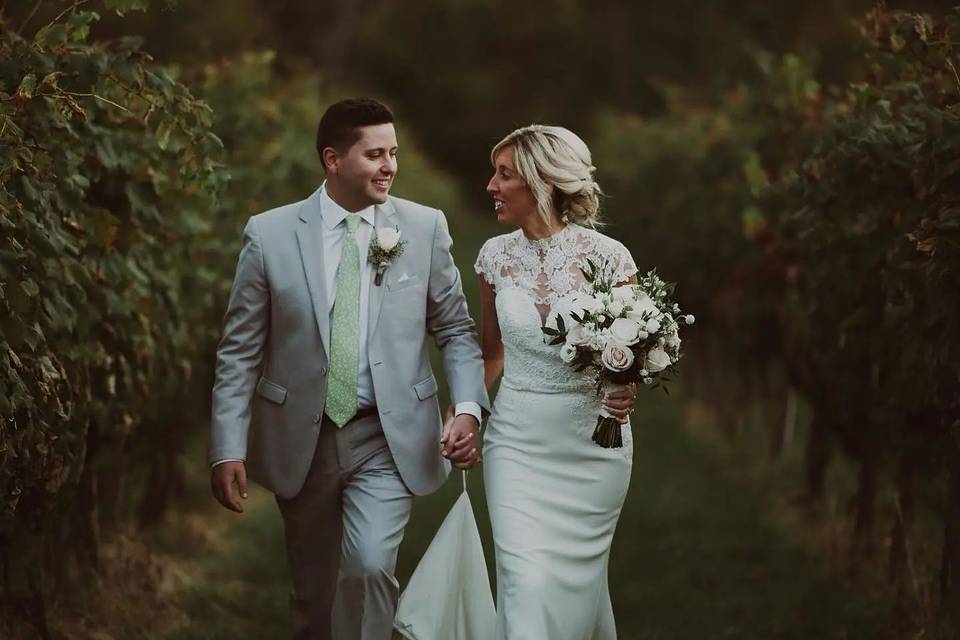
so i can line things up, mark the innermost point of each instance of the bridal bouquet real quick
(625, 334)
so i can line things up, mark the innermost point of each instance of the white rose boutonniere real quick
(385, 247)
(388, 238)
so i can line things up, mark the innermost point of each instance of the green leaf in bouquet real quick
(550, 331)
(560, 325)
(590, 272)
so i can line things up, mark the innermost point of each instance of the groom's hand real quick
(223, 477)
(461, 441)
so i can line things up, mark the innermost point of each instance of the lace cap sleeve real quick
(484, 264)
(623, 264)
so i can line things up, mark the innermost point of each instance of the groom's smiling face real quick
(363, 174)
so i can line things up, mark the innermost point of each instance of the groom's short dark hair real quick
(338, 125)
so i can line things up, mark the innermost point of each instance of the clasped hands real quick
(460, 440)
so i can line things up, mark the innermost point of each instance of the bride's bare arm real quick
(491, 343)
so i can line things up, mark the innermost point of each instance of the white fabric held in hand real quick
(448, 596)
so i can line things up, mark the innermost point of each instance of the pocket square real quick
(404, 277)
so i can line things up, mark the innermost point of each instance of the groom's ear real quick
(330, 158)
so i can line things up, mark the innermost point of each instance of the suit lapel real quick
(311, 253)
(384, 216)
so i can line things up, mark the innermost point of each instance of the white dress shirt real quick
(333, 230)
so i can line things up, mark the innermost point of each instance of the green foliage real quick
(682, 188)
(818, 229)
(106, 167)
(872, 215)
(491, 66)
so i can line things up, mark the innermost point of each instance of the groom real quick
(324, 392)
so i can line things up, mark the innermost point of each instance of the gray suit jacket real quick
(271, 369)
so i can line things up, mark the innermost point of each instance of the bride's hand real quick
(620, 403)
(460, 441)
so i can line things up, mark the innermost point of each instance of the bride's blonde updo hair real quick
(554, 155)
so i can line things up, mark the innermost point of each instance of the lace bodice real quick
(533, 280)
(549, 269)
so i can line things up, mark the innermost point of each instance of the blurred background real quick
(793, 167)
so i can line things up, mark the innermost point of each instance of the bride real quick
(554, 496)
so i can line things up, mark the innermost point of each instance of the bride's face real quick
(513, 201)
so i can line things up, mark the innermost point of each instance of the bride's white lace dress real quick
(554, 496)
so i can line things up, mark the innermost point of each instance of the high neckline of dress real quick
(543, 243)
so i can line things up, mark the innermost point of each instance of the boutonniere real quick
(385, 247)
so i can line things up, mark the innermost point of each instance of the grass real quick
(238, 586)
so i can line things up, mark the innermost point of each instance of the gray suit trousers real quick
(343, 531)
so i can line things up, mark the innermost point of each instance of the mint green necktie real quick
(341, 404)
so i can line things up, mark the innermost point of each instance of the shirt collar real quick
(333, 214)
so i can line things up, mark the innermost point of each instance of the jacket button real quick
(323, 371)
(317, 418)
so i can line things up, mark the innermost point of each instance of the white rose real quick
(625, 331)
(579, 335)
(656, 360)
(617, 357)
(653, 325)
(388, 238)
(568, 353)
(624, 293)
(688, 319)
(643, 335)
